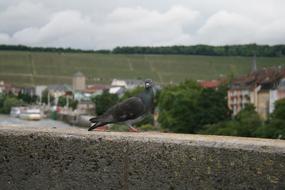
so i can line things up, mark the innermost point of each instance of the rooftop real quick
(59, 87)
(266, 78)
(209, 83)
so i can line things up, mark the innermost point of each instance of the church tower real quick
(78, 81)
(253, 65)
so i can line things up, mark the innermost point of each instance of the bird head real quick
(148, 83)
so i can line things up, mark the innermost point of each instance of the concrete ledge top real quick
(225, 142)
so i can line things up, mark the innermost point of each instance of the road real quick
(6, 120)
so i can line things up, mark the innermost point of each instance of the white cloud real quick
(22, 15)
(124, 26)
(60, 26)
(133, 26)
(4, 38)
(233, 28)
(95, 24)
(224, 27)
(272, 33)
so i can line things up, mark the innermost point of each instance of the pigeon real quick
(129, 111)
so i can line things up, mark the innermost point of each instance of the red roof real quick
(95, 87)
(209, 83)
(261, 77)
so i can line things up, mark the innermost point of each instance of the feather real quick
(130, 109)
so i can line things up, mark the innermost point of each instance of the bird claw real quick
(104, 128)
(132, 129)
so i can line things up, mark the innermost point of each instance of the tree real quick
(227, 50)
(9, 103)
(2, 99)
(275, 127)
(279, 111)
(177, 107)
(213, 106)
(186, 108)
(230, 128)
(249, 121)
(132, 92)
(73, 104)
(25, 97)
(104, 101)
(62, 101)
(45, 98)
(246, 122)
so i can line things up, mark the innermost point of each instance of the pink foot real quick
(132, 129)
(102, 128)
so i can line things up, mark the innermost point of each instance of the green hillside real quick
(28, 68)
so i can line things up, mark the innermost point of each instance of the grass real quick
(31, 68)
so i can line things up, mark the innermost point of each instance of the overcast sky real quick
(101, 24)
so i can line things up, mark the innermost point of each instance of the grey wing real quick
(129, 109)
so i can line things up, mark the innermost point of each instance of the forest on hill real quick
(226, 50)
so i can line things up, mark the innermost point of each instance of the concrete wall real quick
(37, 158)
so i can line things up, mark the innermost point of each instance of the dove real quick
(129, 111)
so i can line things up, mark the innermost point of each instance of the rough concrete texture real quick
(38, 158)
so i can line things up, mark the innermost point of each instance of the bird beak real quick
(147, 85)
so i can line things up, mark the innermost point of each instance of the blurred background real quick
(218, 66)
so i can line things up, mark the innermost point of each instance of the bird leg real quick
(131, 128)
(96, 125)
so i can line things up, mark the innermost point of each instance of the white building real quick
(119, 90)
(127, 84)
(39, 91)
(58, 90)
(276, 94)
(79, 81)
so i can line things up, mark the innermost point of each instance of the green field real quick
(29, 68)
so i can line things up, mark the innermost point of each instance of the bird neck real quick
(148, 93)
(147, 97)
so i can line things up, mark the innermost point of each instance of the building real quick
(78, 82)
(86, 107)
(119, 87)
(127, 84)
(7, 88)
(96, 89)
(58, 90)
(276, 94)
(213, 84)
(260, 88)
(39, 89)
(2, 87)
(31, 91)
(119, 90)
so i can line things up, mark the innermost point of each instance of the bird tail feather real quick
(101, 118)
(94, 119)
(96, 124)
(100, 121)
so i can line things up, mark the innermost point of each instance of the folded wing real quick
(129, 109)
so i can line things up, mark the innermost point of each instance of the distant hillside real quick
(226, 50)
(28, 68)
